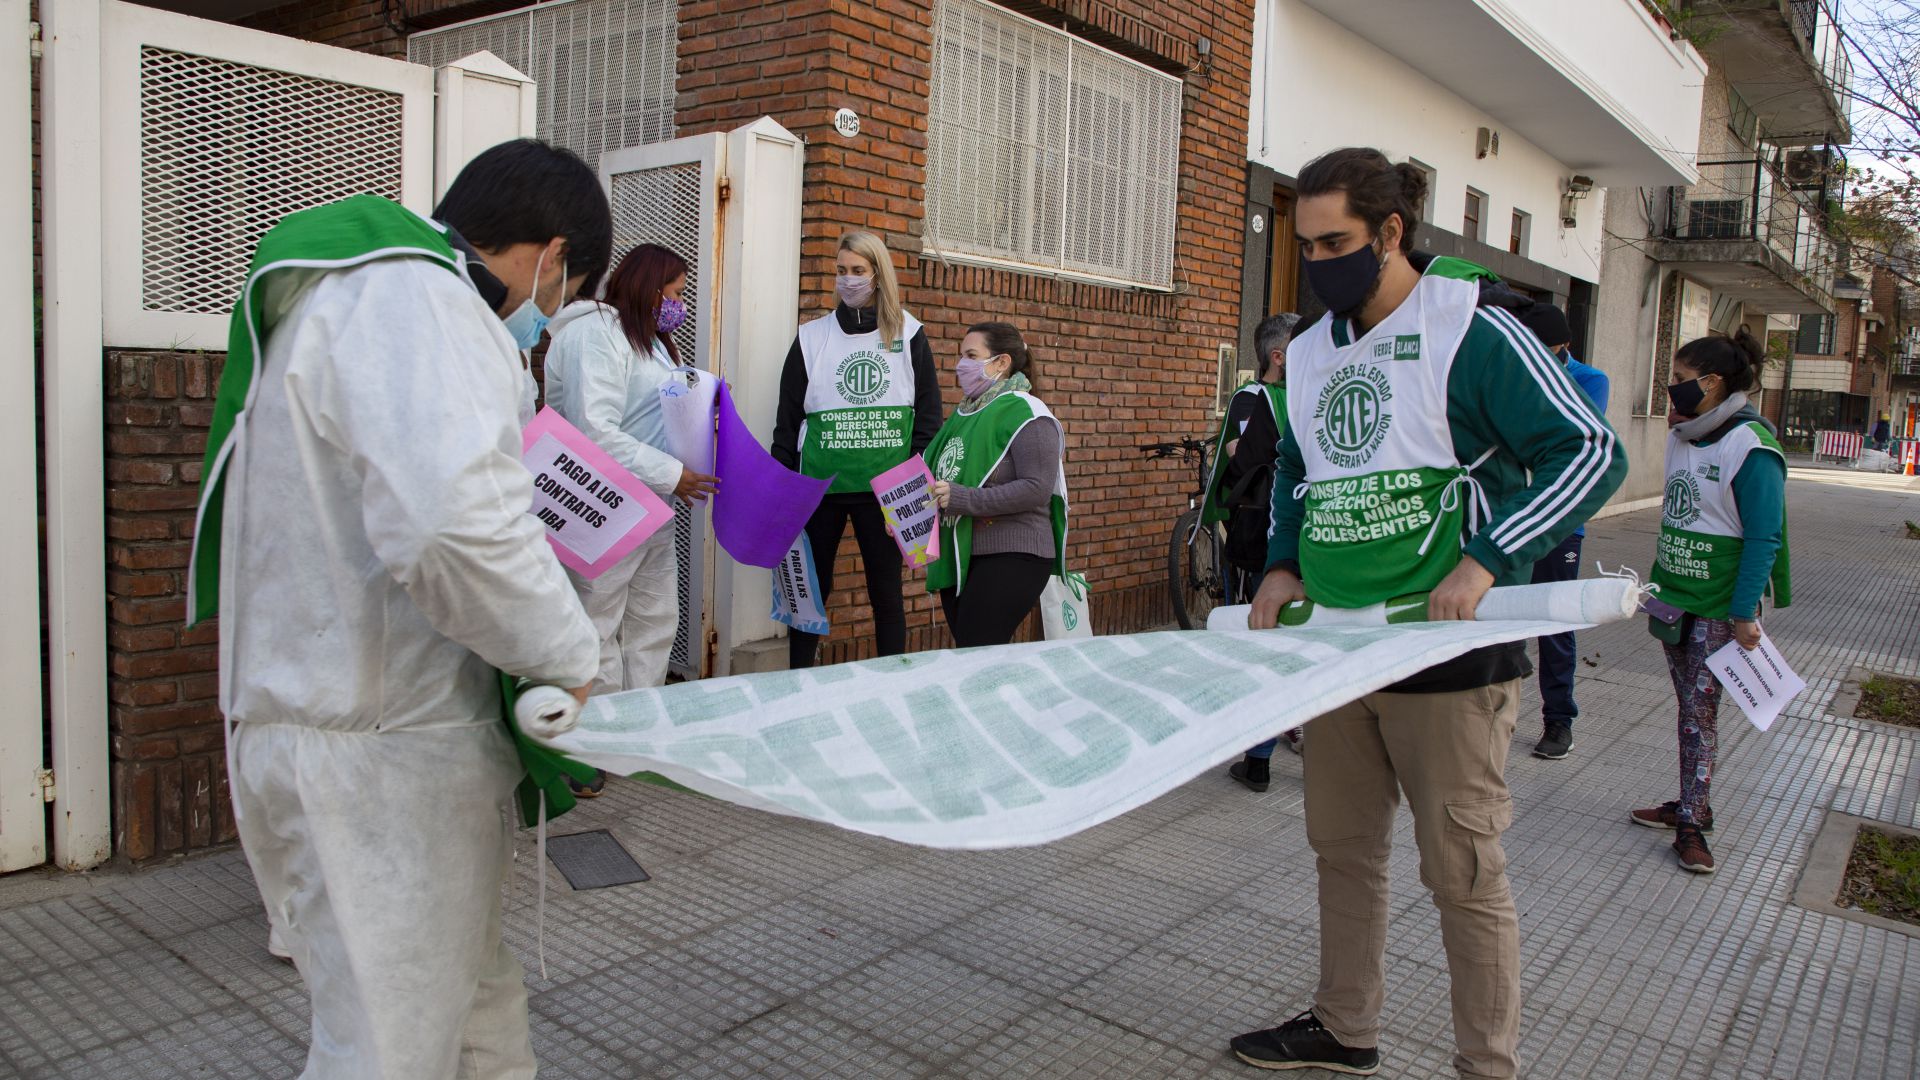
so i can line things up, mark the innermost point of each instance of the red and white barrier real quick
(1840, 444)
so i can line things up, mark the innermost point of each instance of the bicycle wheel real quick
(1196, 578)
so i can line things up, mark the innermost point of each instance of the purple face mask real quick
(672, 316)
(973, 376)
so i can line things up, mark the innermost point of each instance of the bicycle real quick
(1199, 578)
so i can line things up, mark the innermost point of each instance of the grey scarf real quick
(1708, 422)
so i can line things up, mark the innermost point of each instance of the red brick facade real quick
(1119, 366)
(169, 768)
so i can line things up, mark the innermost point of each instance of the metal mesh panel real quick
(228, 149)
(662, 206)
(1039, 143)
(605, 68)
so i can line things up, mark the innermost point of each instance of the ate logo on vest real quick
(861, 377)
(952, 457)
(1352, 416)
(1683, 501)
(1069, 618)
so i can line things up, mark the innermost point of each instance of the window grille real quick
(1816, 335)
(604, 69)
(1047, 152)
(228, 149)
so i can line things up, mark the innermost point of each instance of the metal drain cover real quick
(593, 860)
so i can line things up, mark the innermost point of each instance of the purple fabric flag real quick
(762, 505)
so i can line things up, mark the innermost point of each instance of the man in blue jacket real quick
(1557, 654)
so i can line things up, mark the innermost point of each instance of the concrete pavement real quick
(768, 947)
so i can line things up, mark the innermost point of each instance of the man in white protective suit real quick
(364, 529)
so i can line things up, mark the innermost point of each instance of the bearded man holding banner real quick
(364, 531)
(1433, 446)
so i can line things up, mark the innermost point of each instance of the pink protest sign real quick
(906, 501)
(594, 510)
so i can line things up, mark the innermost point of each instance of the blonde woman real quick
(858, 396)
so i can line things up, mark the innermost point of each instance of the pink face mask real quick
(973, 376)
(855, 290)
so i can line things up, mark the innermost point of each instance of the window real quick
(1433, 177)
(1519, 233)
(1816, 335)
(1047, 153)
(1742, 121)
(605, 69)
(1474, 226)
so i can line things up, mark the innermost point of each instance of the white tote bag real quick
(1064, 612)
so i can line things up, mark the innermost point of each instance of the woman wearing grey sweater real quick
(1001, 485)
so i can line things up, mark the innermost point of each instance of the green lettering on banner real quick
(793, 743)
(1353, 639)
(1257, 654)
(779, 685)
(1208, 686)
(944, 762)
(698, 704)
(753, 768)
(630, 714)
(1146, 717)
(1106, 746)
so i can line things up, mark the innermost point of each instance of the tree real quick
(1882, 214)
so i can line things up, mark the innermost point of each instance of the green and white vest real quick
(859, 403)
(1275, 399)
(1700, 544)
(1387, 501)
(969, 446)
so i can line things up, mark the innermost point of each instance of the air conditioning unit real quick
(1809, 170)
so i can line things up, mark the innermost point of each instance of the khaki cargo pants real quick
(1448, 752)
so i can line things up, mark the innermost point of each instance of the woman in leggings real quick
(859, 395)
(1001, 485)
(1723, 548)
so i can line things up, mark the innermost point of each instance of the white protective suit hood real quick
(574, 311)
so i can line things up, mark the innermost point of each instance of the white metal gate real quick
(23, 807)
(729, 203)
(168, 144)
(669, 194)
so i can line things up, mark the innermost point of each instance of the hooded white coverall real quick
(378, 563)
(604, 387)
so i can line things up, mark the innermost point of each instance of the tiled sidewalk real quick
(764, 946)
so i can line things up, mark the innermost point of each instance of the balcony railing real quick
(1905, 365)
(1819, 27)
(1748, 199)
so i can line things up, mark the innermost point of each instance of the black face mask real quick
(1685, 397)
(1345, 283)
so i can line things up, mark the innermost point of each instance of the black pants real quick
(1557, 652)
(882, 559)
(1001, 592)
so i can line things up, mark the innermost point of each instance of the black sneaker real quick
(1303, 1043)
(1253, 772)
(1555, 741)
(589, 791)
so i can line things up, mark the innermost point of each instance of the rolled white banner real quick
(546, 712)
(1587, 602)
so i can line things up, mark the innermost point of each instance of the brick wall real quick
(1119, 366)
(169, 769)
